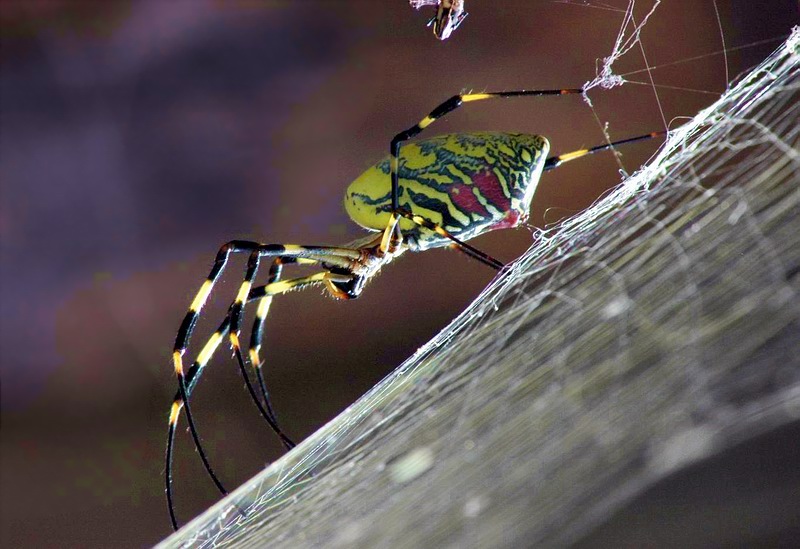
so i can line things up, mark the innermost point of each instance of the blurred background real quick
(136, 137)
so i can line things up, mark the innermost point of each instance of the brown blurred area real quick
(136, 137)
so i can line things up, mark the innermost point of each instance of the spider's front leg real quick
(205, 355)
(341, 259)
(235, 314)
(190, 320)
(210, 347)
(185, 334)
(336, 261)
(257, 332)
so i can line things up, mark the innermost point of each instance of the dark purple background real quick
(136, 137)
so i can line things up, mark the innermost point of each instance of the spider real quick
(449, 15)
(432, 193)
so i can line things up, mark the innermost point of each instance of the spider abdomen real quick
(467, 183)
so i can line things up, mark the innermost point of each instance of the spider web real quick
(654, 330)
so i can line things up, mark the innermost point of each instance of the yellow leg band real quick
(177, 362)
(573, 155)
(174, 411)
(244, 291)
(209, 348)
(263, 307)
(201, 297)
(466, 98)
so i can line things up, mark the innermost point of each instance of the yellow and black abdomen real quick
(468, 183)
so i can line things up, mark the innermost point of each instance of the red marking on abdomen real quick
(465, 200)
(492, 190)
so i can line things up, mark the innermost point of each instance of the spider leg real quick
(257, 332)
(192, 377)
(210, 347)
(256, 335)
(555, 161)
(181, 342)
(270, 290)
(222, 331)
(236, 314)
(391, 233)
(340, 257)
